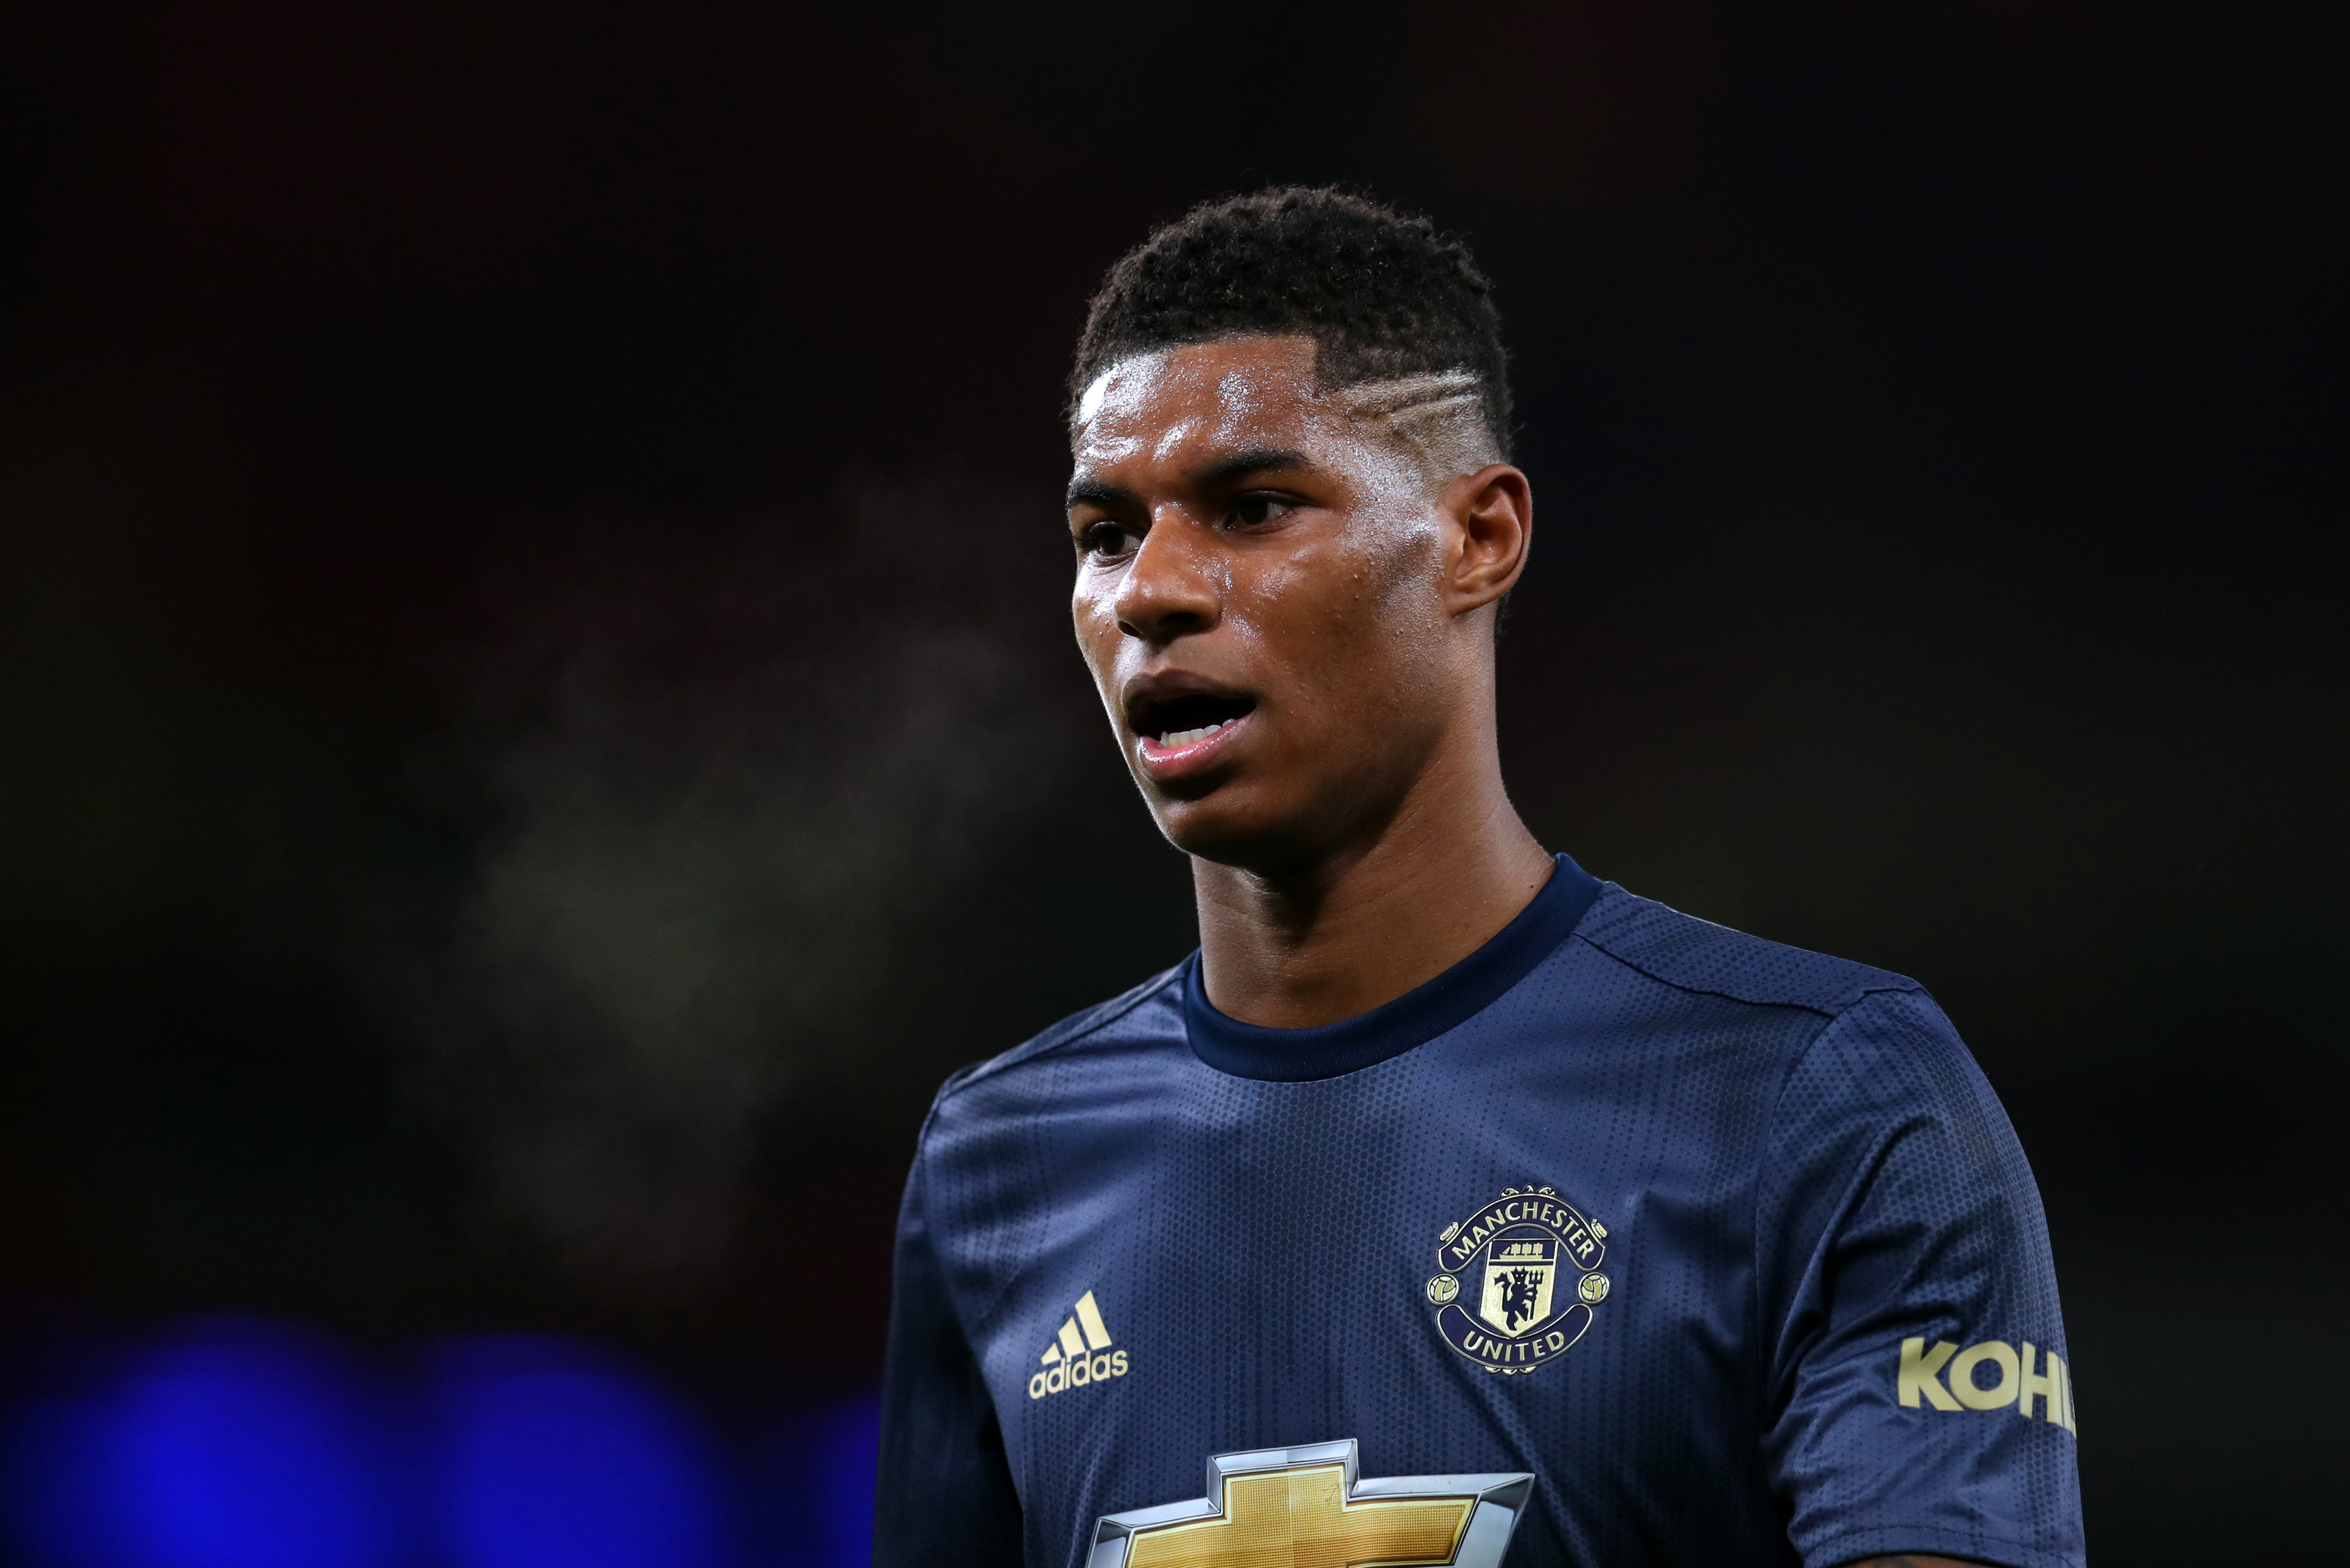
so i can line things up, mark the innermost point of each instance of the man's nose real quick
(1175, 587)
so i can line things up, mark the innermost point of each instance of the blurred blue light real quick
(242, 1445)
(236, 1446)
(550, 1457)
(848, 1458)
(813, 1497)
(60, 1512)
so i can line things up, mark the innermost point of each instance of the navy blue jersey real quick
(1729, 1246)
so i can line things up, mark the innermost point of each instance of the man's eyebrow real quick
(1215, 476)
(1255, 459)
(1098, 493)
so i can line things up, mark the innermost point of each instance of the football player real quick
(1448, 1203)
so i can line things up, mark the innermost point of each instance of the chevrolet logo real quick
(1305, 1507)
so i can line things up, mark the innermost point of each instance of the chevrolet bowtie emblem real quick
(1305, 1507)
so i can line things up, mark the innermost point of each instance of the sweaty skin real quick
(1248, 538)
(1315, 573)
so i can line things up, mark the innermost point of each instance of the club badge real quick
(1516, 1281)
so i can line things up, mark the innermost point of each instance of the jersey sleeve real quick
(945, 1491)
(1920, 1393)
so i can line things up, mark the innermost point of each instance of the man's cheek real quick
(1097, 629)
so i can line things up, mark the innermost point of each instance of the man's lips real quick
(1179, 752)
(1182, 723)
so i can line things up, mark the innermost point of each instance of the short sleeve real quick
(945, 1492)
(1920, 1392)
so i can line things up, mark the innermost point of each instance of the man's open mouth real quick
(1176, 723)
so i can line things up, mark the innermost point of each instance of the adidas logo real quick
(1079, 1353)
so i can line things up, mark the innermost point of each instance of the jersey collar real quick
(1417, 1017)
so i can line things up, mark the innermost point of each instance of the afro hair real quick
(1381, 293)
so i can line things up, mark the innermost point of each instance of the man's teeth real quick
(1176, 740)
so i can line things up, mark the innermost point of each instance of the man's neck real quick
(1362, 926)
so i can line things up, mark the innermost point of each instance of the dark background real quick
(535, 715)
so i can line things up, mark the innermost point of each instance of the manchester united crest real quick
(1516, 1281)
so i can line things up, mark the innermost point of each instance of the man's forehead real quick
(1183, 400)
(1260, 372)
(1193, 407)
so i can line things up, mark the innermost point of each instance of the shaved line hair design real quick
(1404, 324)
(1438, 421)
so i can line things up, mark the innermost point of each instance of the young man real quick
(1448, 1201)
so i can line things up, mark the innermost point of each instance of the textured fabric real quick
(1452, 998)
(1807, 1211)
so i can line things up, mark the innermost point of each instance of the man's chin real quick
(1227, 829)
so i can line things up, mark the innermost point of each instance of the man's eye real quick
(1251, 510)
(1106, 539)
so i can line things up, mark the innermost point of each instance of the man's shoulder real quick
(1070, 1033)
(1697, 957)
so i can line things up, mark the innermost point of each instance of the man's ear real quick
(1493, 516)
